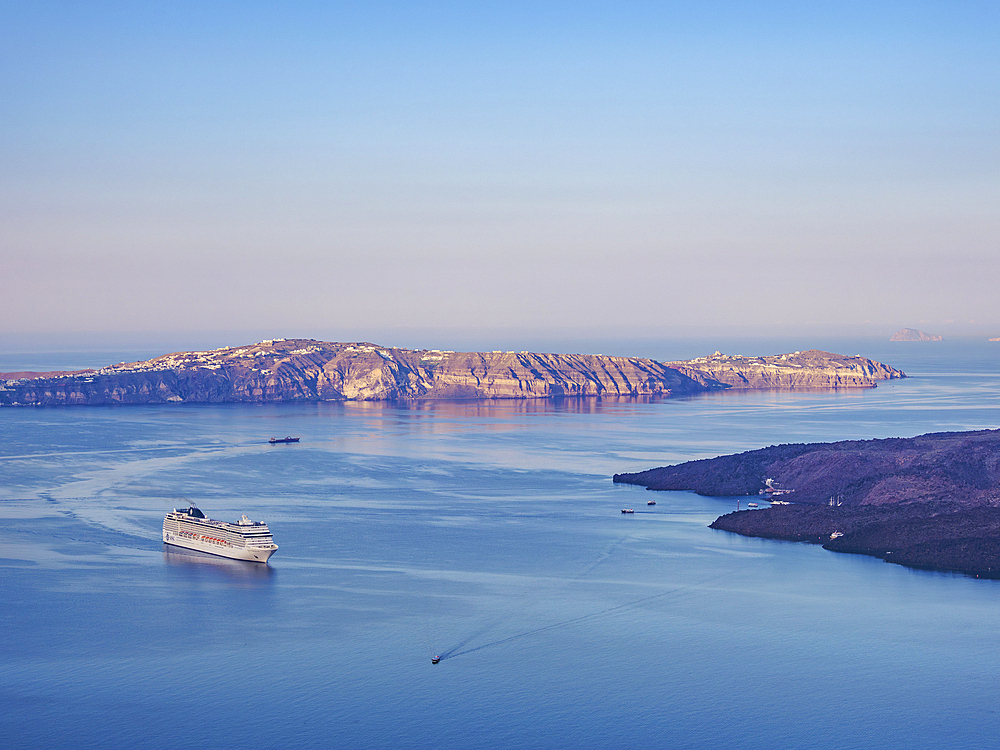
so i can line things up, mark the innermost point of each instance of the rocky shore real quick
(308, 370)
(931, 501)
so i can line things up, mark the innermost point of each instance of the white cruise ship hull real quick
(232, 552)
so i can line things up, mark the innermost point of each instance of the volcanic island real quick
(297, 370)
(931, 501)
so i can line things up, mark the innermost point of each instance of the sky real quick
(359, 171)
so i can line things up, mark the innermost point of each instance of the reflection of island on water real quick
(192, 561)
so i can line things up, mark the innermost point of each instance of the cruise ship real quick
(243, 540)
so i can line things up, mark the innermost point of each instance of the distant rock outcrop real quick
(928, 501)
(309, 370)
(912, 334)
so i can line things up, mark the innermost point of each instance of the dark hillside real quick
(963, 467)
(930, 501)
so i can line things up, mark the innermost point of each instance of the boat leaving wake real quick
(454, 652)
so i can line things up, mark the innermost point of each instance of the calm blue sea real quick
(490, 534)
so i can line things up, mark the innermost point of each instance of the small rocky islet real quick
(931, 501)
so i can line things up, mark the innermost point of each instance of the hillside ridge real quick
(277, 370)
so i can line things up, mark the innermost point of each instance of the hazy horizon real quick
(53, 352)
(554, 171)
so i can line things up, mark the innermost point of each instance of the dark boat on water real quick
(284, 440)
(650, 502)
(435, 659)
(628, 510)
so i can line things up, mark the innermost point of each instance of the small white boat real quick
(628, 510)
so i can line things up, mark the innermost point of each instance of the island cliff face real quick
(809, 369)
(309, 370)
(930, 501)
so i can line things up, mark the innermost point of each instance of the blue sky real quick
(350, 169)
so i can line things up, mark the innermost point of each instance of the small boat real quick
(771, 491)
(435, 659)
(628, 510)
(284, 440)
(751, 505)
(650, 502)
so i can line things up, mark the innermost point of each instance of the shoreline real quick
(943, 538)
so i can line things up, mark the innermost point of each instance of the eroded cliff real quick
(808, 369)
(309, 370)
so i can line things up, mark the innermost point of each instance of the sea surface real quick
(489, 534)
